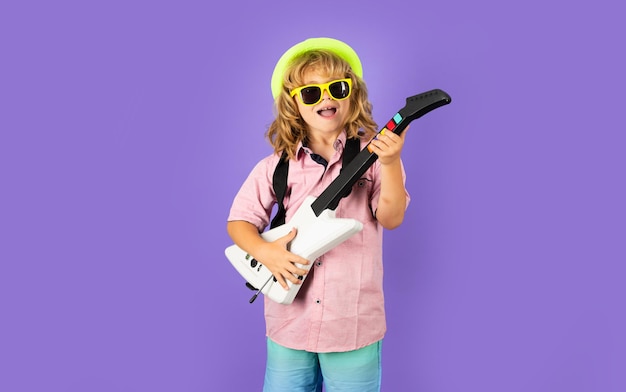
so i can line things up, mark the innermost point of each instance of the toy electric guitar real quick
(318, 229)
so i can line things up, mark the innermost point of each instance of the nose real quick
(326, 94)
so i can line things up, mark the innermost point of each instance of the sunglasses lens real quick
(339, 90)
(310, 95)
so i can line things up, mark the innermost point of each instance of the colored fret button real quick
(391, 125)
(397, 118)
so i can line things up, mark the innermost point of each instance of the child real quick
(332, 332)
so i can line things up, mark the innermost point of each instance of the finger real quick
(393, 137)
(394, 140)
(380, 146)
(298, 271)
(281, 281)
(286, 239)
(295, 279)
(374, 145)
(296, 259)
(288, 276)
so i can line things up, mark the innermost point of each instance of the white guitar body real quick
(316, 236)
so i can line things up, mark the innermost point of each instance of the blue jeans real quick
(290, 370)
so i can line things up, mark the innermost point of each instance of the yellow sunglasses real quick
(311, 94)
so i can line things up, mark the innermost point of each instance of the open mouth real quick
(327, 112)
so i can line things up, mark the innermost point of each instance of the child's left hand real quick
(388, 146)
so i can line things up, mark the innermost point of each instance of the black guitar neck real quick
(416, 106)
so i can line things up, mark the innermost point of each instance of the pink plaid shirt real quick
(341, 305)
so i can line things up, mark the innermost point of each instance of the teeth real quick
(327, 109)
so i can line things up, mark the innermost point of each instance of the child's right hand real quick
(280, 261)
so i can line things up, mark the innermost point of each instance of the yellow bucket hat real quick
(339, 48)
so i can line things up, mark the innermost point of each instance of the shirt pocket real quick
(359, 203)
(363, 187)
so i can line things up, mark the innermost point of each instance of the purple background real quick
(128, 126)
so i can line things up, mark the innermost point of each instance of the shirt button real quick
(318, 301)
(319, 263)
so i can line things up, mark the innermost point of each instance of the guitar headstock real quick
(417, 106)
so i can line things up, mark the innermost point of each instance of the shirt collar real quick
(339, 145)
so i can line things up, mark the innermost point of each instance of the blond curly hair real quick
(288, 128)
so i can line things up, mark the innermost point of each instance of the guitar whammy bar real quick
(318, 229)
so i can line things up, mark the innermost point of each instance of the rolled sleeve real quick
(255, 199)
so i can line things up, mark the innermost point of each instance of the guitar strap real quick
(279, 180)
